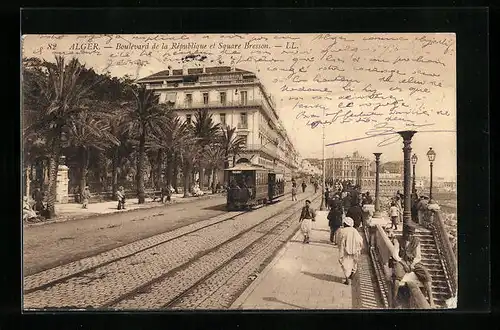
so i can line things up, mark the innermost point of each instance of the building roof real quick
(178, 73)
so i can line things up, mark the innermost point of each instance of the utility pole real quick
(323, 202)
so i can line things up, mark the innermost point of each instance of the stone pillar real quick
(62, 182)
(377, 185)
(407, 136)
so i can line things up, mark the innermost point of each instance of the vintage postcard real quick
(239, 171)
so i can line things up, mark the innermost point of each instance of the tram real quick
(251, 185)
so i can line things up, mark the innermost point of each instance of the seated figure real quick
(407, 256)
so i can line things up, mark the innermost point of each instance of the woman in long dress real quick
(350, 246)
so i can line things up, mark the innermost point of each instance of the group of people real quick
(348, 210)
(348, 239)
(303, 185)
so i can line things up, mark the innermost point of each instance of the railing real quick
(260, 147)
(435, 223)
(381, 254)
(218, 104)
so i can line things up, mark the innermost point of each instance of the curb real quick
(251, 288)
(93, 215)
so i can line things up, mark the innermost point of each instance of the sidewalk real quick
(301, 276)
(74, 211)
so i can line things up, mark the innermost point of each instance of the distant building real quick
(361, 170)
(235, 98)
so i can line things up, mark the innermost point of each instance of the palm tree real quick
(207, 132)
(231, 144)
(215, 160)
(89, 131)
(171, 138)
(145, 116)
(52, 94)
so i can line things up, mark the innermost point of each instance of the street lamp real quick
(431, 155)
(377, 213)
(414, 160)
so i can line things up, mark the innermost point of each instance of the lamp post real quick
(407, 136)
(323, 202)
(431, 155)
(414, 160)
(377, 213)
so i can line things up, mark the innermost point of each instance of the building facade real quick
(235, 98)
(361, 171)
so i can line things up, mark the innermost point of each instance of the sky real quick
(347, 88)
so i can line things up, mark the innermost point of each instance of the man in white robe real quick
(350, 246)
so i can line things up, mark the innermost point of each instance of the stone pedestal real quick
(62, 184)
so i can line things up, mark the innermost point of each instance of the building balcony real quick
(264, 148)
(217, 105)
(242, 125)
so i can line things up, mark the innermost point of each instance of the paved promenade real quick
(309, 276)
(73, 211)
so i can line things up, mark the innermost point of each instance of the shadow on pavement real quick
(220, 207)
(326, 277)
(274, 299)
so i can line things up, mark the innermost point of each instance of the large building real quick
(235, 98)
(361, 170)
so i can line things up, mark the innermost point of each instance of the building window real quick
(223, 119)
(189, 99)
(222, 96)
(243, 120)
(244, 97)
(188, 119)
(205, 98)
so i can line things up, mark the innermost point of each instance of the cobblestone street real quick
(57, 243)
(197, 248)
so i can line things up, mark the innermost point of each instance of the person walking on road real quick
(355, 212)
(307, 216)
(304, 185)
(335, 218)
(294, 193)
(85, 197)
(350, 246)
(120, 195)
(394, 213)
(327, 196)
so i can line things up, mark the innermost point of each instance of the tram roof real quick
(247, 167)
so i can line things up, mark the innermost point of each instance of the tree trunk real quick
(175, 165)
(140, 169)
(170, 168)
(83, 169)
(114, 172)
(159, 161)
(53, 167)
(186, 174)
(210, 179)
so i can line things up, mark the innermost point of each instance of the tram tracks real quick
(164, 293)
(64, 279)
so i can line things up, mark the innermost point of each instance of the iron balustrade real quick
(434, 222)
(218, 104)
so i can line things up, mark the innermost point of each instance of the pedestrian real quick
(355, 212)
(422, 209)
(368, 199)
(335, 218)
(307, 216)
(304, 185)
(350, 246)
(346, 200)
(120, 195)
(394, 214)
(315, 186)
(327, 197)
(85, 197)
(294, 193)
